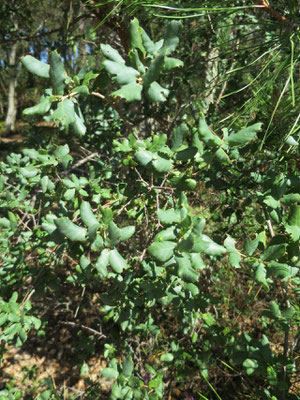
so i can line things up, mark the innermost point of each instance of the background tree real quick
(35, 27)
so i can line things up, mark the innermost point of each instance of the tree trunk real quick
(11, 115)
(82, 44)
(211, 75)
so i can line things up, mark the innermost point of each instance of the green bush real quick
(180, 234)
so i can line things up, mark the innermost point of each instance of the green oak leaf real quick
(243, 136)
(36, 66)
(169, 216)
(157, 93)
(293, 224)
(87, 215)
(57, 73)
(162, 251)
(162, 164)
(185, 270)
(130, 92)
(112, 54)
(72, 231)
(102, 263)
(117, 262)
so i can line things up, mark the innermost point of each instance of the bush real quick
(184, 244)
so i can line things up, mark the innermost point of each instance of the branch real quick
(28, 37)
(266, 6)
(86, 328)
(78, 164)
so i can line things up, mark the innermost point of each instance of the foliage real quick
(178, 235)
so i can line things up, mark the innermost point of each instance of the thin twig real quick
(142, 179)
(26, 298)
(86, 328)
(76, 165)
(119, 111)
(124, 206)
(269, 223)
(142, 256)
(81, 297)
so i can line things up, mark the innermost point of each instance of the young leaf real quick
(167, 357)
(84, 262)
(274, 251)
(97, 244)
(234, 255)
(64, 115)
(48, 224)
(82, 90)
(117, 262)
(69, 194)
(78, 125)
(293, 225)
(36, 67)
(271, 202)
(62, 151)
(166, 234)
(282, 271)
(171, 38)
(261, 274)
(41, 108)
(87, 215)
(197, 261)
(250, 365)
(102, 263)
(178, 136)
(275, 309)
(127, 367)
(162, 251)
(136, 62)
(135, 31)
(169, 216)
(110, 373)
(199, 225)
(150, 46)
(124, 74)
(126, 232)
(186, 244)
(244, 136)
(251, 245)
(157, 93)
(130, 92)
(72, 231)
(57, 73)
(162, 164)
(112, 54)
(185, 270)
(171, 63)
(154, 70)
(29, 172)
(193, 289)
(114, 234)
(222, 156)
(206, 245)
(210, 139)
(144, 157)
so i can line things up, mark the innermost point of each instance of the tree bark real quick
(11, 115)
